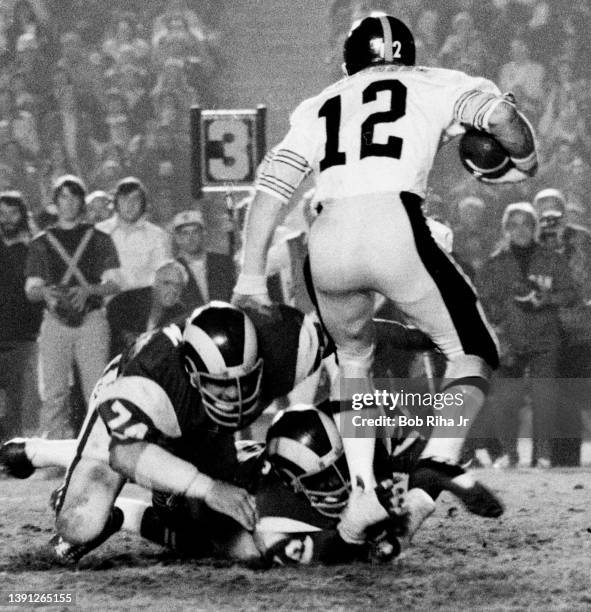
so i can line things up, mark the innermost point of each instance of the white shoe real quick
(366, 508)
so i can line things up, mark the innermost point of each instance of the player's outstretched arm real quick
(155, 468)
(263, 217)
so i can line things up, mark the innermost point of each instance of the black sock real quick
(428, 476)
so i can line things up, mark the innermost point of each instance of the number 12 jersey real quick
(375, 131)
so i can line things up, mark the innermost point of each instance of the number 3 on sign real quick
(233, 162)
(226, 148)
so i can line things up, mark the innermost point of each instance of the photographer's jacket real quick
(512, 283)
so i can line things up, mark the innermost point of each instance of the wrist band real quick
(251, 284)
(525, 164)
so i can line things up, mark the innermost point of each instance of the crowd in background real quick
(101, 92)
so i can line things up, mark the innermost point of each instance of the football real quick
(483, 156)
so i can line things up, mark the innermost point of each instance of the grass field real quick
(537, 557)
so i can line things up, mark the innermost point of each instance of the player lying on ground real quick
(164, 414)
(301, 485)
(370, 140)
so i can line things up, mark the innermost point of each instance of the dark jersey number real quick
(331, 110)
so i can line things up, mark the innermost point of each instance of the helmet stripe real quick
(206, 349)
(249, 347)
(308, 349)
(387, 38)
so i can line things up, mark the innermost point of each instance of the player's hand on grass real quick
(233, 501)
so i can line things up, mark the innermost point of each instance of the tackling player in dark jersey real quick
(164, 414)
(301, 485)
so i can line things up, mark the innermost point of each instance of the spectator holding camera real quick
(522, 287)
(70, 267)
(574, 361)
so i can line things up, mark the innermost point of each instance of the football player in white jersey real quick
(370, 139)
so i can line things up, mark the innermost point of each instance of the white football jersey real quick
(375, 131)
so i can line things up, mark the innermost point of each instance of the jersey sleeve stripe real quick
(294, 163)
(295, 157)
(271, 186)
(474, 107)
(461, 103)
(283, 173)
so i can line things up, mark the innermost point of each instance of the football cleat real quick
(69, 554)
(433, 476)
(13, 459)
(66, 553)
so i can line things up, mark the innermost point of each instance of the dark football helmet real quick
(221, 356)
(378, 39)
(306, 451)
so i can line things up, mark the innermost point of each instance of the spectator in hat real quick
(574, 359)
(211, 276)
(522, 286)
